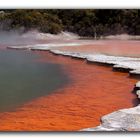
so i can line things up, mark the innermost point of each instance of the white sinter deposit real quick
(123, 63)
(121, 120)
(48, 46)
(47, 36)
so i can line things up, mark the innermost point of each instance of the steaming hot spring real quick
(64, 83)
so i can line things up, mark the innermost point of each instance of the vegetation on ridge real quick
(86, 22)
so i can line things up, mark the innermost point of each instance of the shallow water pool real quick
(23, 78)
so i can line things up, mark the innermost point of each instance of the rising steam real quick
(15, 37)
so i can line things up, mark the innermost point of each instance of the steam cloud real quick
(16, 37)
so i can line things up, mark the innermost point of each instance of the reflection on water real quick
(22, 78)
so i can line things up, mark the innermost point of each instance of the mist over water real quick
(17, 37)
(32, 37)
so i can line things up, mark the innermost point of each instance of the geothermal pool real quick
(50, 92)
(92, 92)
(23, 78)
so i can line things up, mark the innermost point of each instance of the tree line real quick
(84, 22)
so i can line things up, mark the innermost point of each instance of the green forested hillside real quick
(84, 22)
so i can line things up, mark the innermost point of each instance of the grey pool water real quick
(22, 78)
